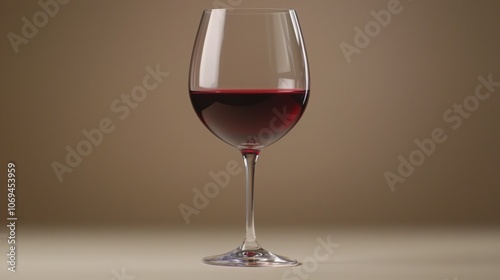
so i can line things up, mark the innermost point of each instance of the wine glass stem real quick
(250, 159)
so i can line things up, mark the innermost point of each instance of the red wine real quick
(249, 118)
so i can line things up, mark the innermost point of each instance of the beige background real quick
(329, 170)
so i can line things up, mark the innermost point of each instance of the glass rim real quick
(252, 10)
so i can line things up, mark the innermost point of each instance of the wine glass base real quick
(250, 258)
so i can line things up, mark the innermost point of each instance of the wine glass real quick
(249, 85)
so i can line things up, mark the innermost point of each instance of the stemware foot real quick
(250, 258)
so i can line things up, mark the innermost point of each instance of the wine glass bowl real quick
(249, 85)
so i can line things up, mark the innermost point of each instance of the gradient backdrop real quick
(362, 115)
